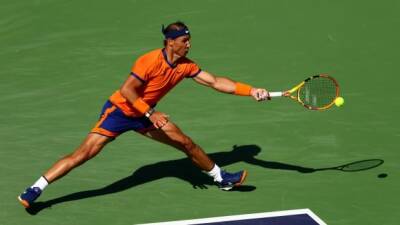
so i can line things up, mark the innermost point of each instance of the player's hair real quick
(176, 26)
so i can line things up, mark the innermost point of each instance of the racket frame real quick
(296, 89)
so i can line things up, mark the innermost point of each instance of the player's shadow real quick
(182, 169)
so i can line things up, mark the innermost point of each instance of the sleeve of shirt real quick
(141, 68)
(192, 70)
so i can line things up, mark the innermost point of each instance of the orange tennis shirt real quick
(158, 77)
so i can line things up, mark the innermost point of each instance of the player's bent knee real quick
(80, 156)
(85, 152)
(189, 145)
(181, 141)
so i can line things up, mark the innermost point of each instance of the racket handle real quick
(275, 94)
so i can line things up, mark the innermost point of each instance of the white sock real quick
(215, 173)
(41, 183)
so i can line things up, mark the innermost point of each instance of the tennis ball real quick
(339, 101)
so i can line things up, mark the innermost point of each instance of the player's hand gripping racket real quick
(316, 93)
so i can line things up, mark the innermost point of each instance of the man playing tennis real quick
(131, 107)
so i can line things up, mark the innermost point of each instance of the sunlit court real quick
(199, 112)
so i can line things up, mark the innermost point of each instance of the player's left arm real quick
(226, 85)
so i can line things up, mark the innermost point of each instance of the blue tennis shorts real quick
(114, 122)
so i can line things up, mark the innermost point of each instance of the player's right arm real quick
(129, 91)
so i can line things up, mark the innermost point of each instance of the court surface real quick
(60, 60)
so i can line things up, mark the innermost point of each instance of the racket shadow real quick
(247, 154)
(356, 166)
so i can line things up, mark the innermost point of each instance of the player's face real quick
(181, 45)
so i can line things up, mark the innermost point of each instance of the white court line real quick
(244, 217)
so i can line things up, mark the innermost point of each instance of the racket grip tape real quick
(275, 94)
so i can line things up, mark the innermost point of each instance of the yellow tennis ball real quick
(339, 101)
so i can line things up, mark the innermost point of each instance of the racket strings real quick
(318, 92)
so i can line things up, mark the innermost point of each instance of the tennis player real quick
(132, 107)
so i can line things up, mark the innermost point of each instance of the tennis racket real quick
(316, 93)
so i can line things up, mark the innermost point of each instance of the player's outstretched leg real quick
(171, 134)
(90, 147)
